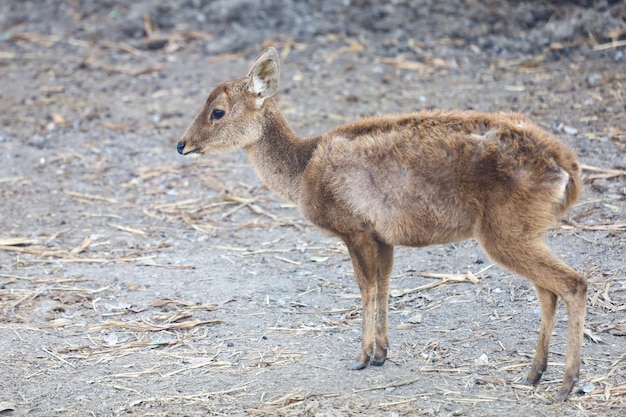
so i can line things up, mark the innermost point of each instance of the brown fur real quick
(416, 179)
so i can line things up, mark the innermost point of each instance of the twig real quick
(11, 179)
(609, 45)
(129, 230)
(603, 172)
(89, 196)
(390, 385)
(114, 68)
(446, 278)
(289, 261)
(17, 241)
(54, 355)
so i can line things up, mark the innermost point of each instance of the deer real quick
(416, 179)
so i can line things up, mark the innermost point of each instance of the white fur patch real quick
(488, 135)
(340, 138)
(259, 102)
(257, 85)
(563, 185)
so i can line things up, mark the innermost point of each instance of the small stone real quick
(587, 387)
(7, 406)
(38, 141)
(570, 130)
(416, 319)
(600, 185)
(482, 360)
(593, 78)
(111, 339)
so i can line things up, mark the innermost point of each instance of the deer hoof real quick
(533, 377)
(357, 365)
(378, 362)
(562, 394)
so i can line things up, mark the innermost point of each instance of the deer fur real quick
(416, 179)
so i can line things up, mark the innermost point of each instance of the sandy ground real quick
(137, 282)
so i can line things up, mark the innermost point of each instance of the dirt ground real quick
(135, 282)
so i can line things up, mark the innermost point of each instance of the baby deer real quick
(415, 179)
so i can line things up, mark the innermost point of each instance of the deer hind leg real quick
(553, 279)
(385, 264)
(548, 302)
(364, 252)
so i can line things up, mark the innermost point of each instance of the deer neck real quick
(280, 156)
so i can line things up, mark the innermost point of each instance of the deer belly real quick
(412, 217)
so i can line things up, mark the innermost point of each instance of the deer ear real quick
(263, 76)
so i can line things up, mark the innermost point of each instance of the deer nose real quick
(180, 147)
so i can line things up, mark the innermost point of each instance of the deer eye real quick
(217, 114)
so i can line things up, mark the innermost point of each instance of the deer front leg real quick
(385, 264)
(363, 252)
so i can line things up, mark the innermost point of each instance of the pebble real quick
(588, 387)
(38, 141)
(593, 78)
(416, 319)
(570, 130)
(482, 360)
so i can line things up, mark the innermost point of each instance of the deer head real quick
(232, 117)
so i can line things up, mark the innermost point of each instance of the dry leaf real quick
(316, 258)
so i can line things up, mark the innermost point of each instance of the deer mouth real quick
(180, 147)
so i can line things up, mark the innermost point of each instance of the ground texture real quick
(137, 282)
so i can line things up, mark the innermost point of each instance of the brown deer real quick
(415, 179)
